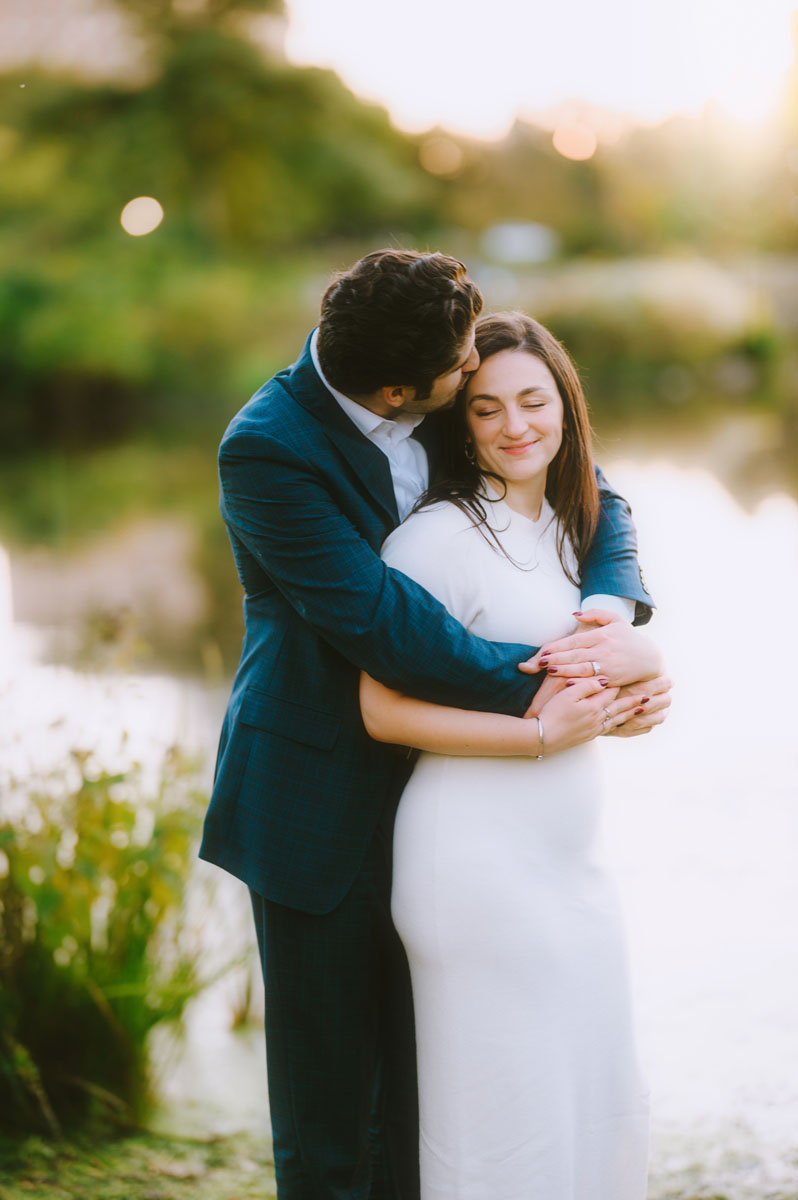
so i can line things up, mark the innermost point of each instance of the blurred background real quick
(178, 180)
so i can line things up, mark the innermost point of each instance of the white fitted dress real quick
(529, 1083)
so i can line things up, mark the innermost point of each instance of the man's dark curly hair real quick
(397, 318)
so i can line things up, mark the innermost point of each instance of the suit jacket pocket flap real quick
(310, 726)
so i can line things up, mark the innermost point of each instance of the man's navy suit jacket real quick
(308, 501)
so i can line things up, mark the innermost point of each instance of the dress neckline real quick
(491, 494)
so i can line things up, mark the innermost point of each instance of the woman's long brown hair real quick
(570, 483)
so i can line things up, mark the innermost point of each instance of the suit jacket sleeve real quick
(377, 618)
(611, 565)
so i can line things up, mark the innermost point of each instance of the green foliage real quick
(65, 499)
(151, 338)
(636, 357)
(161, 17)
(92, 871)
(240, 149)
(101, 332)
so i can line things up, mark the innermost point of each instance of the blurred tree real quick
(686, 184)
(238, 148)
(248, 156)
(171, 18)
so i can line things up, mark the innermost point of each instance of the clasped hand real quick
(607, 645)
(638, 694)
(633, 710)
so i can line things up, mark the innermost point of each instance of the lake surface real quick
(701, 828)
(702, 825)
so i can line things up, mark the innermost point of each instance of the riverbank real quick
(150, 1166)
(139, 1166)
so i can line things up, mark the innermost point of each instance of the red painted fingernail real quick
(578, 613)
(571, 683)
(638, 711)
(544, 662)
(604, 682)
(645, 700)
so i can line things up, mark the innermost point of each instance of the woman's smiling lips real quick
(519, 449)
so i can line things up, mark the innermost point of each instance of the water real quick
(701, 828)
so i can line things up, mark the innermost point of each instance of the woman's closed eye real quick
(526, 405)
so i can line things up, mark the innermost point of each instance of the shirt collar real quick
(368, 422)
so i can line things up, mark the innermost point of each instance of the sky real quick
(473, 66)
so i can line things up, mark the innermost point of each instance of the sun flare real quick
(447, 64)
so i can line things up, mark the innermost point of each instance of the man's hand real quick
(654, 701)
(609, 646)
(549, 688)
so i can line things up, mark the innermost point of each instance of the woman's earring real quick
(470, 452)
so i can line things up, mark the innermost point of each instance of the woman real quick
(528, 1080)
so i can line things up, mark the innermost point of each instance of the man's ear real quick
(397, 397)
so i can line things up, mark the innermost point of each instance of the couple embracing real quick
(431, 563)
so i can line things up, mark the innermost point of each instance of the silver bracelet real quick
(539, 757)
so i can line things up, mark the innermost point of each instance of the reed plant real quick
(93, 952)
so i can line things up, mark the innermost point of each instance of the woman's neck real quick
(526, 497)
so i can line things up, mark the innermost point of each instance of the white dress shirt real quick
(407, 460)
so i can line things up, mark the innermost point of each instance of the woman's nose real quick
(515, 423)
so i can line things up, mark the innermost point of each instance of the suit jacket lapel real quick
(367, 461)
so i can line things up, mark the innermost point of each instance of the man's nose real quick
(473, 361)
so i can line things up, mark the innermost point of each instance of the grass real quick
(138, 1166)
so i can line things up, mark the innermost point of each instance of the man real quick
(315, 471)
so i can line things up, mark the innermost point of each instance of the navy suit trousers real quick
(339, 1031)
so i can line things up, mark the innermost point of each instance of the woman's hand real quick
(609, 646)
(580, 712)
(653, 701)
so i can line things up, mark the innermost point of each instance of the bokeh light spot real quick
(440, 155)
(575, 141)
(141, 216)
